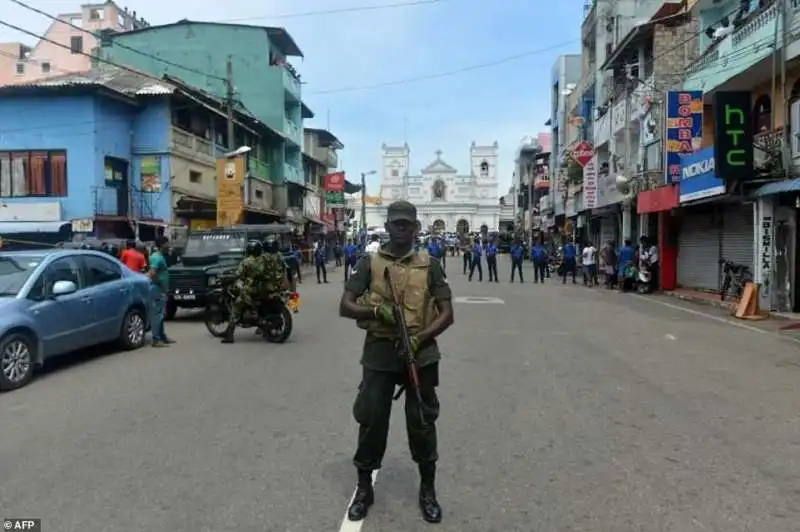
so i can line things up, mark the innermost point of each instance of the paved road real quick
(564, 409)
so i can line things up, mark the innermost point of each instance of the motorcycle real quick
(272, 318)
(643, 278)
(736, 277)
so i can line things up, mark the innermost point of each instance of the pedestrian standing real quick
(133, 257)
(374, 244)
(475, 254)
(320, 260)
(350, 257)
(589, 256)
(426, 297)
(517, 258)
(491, 260)
(570, 257)
(337, 253)
(467, 260)
(539, 259)
(159, 275)
(610, 265)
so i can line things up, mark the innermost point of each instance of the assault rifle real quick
(404, 345)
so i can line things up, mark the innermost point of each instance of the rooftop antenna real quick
(328, 127)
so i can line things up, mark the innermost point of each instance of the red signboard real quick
(583, 152)
(334, 182)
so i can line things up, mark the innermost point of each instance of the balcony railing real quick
(191, 145)
(290, 173)
(768, 152)
(291, 83)
(259, 169)
(293, 131)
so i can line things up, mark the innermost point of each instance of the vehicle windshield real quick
(214, 243)
(15, 271)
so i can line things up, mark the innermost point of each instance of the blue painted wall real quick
(90, 128)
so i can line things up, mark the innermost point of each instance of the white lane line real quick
(355, 526)
(716, 318)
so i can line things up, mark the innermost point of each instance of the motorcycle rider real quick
(277, 274)
(249, 276)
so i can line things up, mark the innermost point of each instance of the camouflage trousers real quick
(239, 305)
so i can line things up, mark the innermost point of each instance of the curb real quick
(716, 303)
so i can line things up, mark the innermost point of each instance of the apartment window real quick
(395, 173)
(76, 21)
(76, 44)
(195, 177)
(33, 173)
(45, 67)
(96, 14)
(259, 194)
(20, 68)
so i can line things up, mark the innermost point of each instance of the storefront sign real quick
(334, 182)
(583, 152)
(733, 135)
(590, 184)
(684, 129)
(698, 177)
(765, 253)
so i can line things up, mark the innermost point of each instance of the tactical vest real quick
(410, 280)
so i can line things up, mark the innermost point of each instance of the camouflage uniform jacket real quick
(273, 273)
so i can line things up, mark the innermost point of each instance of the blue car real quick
(56, 302)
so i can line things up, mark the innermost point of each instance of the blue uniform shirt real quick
(569, 251)
(538, 253)
(321, 253)
(434, 250)
(491, 250)
(517, 252)
(626, 254)
(477, 252)
(350, 251)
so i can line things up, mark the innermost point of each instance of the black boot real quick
(428, 505)
(228, 338)
(364, 497)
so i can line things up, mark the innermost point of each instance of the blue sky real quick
(499, 103)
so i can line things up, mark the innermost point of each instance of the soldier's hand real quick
(385, 314)
(415, 343)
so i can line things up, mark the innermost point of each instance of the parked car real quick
(59, 301)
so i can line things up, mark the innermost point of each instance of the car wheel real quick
(133, 329)
(17, 361)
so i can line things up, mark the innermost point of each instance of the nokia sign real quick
(698, 168)
(698, 178)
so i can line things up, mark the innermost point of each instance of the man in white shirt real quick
(375, 245)
(589, 258)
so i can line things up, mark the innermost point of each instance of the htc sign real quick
(733, 135)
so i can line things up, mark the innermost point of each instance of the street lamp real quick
(364, 201)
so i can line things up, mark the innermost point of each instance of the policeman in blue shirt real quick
(626, 255)
(491, 260)
(517, 258)
(539, 258)
(437, 250)
(350, 257)
(320, 259)
(476, 253)
(570, 256)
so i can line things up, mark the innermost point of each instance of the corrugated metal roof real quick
(770, 189)
(112, 78)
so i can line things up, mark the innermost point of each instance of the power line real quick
(447, 73)
(338, 11)
(123, 46)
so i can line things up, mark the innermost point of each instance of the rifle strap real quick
(399, 393)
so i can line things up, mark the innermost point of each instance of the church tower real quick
(394, 174)
(483, 167)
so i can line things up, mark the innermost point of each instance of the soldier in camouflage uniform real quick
(276, 272)
(249, 278)
(419, 280)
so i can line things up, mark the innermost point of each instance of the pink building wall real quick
(545, 141)
(47, 59)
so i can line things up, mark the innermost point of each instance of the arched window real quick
(762, 114)
(484, 169)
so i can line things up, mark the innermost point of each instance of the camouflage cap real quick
(401, 210)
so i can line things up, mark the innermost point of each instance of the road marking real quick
(480, 300)
(716, 318)
(355, 526)
(669, 337)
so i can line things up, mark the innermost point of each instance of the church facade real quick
(446, 200)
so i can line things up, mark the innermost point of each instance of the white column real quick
(626, 220)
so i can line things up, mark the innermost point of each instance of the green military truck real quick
(207, 255)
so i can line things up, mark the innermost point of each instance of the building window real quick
(76, 44)
(259, 194)
(33, 173)
(395, 173)
(96, 14)
(45, 68)
(76, 21)
(484, 169)
(195, 177)
(20, 68)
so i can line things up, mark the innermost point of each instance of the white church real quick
(445, 200)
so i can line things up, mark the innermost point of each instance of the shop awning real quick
(658, 200)
(10, 228)
(351, 188)
(770, 189)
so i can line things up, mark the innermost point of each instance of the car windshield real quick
(14, 271)
(214, 243)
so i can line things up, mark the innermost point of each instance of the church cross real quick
(438, 154)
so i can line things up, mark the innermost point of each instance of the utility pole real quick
(229, 97)
(363, 224)
(528, 168)
(787, 146)
(626, 204)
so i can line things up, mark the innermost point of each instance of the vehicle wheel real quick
(17, 361)
(171, 310)
(133, 329)
(216, 320)
(279, 332)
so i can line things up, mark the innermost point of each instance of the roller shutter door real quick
(608, 231)
(699, 245)
(737, 234)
